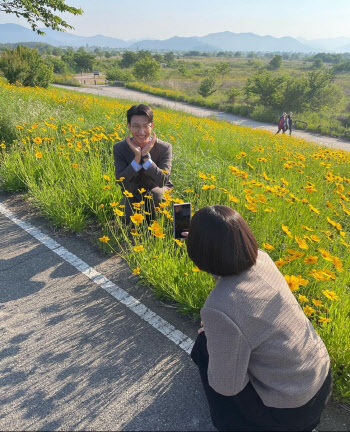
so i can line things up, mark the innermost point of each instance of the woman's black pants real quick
(246, 412)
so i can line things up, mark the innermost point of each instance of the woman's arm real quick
(229, 353)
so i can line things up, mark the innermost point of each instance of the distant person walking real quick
(289, 121)
(281, 123)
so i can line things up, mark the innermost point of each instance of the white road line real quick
(118, 293)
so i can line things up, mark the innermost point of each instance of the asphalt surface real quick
(73, 358)
(124, 93)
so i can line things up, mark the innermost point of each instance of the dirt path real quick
(123, 93)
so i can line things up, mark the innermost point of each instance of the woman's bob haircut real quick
(220, 241)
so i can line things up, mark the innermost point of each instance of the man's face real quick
(141, 129)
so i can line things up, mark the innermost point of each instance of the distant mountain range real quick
(224, 41)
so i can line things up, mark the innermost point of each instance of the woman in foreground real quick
(262, 365)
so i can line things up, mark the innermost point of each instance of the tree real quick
(143, 54)
(268, 89)
(222, 69)
(158, 57)
(84, 61)
(129, 58)
(146, 69)
(59, 66)
(117, 74)
(317, 63)
(276, 62)
(232, 95)
(207, 87)
(35, 11)
(26, 66)
(169, 57)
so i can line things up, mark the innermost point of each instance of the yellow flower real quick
(75, 166)
(311, 259)
(295, 281)
(335, 224)
(324, 320)
(306, 228)
(106, 178)
(179, 242)
(114, 204)
(232, 198)
(136, 271)
(296, 253)
(158, 234)
(137, 218)
(337, 263)
(303, 299)
(139, 248)
(315, 238)
(326, 255)
(106, 187)
(2, 145)
(252, 207)
(120, 179)
(118, 212)
(317, 303)
(195, 269)
(104, 239)
(128, 194)
(280, 262)
(38, 155)
(155, 226)
(331, 295)
(301, 242)
(37, 140)
(268, 246)
(142, 190)
(148, 196)
(292, 281)
(101, 206)
(308, 310)
(315, 210)
(287, 231)
(310, 189)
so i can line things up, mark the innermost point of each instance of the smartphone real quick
(182, 219)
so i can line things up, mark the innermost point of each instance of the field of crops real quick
(57, 146)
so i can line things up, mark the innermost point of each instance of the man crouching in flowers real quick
(142, 162)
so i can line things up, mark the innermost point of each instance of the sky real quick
(160, 19)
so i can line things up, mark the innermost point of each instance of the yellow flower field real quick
(57, 145)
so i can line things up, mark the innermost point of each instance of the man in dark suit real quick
(142, 162)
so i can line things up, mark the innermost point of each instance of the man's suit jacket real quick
(157, 175)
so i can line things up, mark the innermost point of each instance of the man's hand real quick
(136, 150)
(150, 145)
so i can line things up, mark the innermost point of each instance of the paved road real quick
(73, 358)
(123, 93)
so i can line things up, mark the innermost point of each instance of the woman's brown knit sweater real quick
(256, 331)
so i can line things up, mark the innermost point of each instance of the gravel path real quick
(123, 93)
